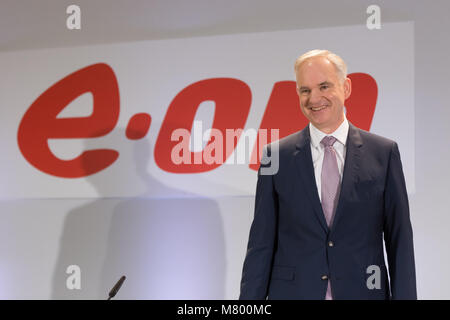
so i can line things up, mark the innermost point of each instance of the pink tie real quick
(330, 183)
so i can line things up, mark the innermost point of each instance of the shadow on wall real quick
(168, 248)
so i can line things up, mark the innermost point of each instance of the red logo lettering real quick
(232, 98)
(40, 123)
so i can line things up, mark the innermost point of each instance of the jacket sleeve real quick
(398, 234)
(258, 261)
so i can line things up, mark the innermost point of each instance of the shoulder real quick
(289, 143)
(373, 140)
(374, 146)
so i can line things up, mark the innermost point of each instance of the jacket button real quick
(325, 277)
(330, 244)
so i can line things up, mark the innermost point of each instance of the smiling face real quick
(322, 93)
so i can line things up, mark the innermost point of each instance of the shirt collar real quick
(340, 133)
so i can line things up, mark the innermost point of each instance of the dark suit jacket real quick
(291, 248)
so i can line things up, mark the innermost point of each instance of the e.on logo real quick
(232, 99)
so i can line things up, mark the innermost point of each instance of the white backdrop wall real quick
(184, 236)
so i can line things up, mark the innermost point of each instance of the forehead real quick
(316, 70)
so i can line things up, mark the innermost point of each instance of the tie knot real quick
(328, 141)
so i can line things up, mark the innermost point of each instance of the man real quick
(320, 219)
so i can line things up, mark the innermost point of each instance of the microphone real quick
(116, 288)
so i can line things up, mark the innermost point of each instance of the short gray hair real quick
(337, 61)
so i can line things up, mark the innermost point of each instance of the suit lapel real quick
(351, 169)
(305, 168)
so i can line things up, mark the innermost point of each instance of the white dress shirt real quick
(317, 150)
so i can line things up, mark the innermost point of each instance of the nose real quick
(314, 97)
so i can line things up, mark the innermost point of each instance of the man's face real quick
(322, 93)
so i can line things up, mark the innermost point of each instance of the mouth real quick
(317, 109)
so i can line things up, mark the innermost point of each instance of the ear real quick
(347, 87)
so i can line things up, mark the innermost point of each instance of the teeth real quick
(318, 108)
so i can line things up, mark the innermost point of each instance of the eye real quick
(304, 91)
(324, 87)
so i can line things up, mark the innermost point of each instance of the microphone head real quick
(116, 288)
